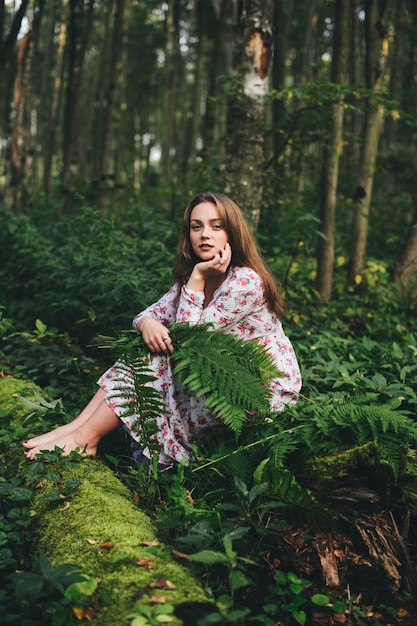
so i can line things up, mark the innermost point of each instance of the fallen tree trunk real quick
(101, 530)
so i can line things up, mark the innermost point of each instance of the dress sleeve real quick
(163, 310)
(240, 294)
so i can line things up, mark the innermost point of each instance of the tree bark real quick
(78, 35)
(107, 171)
(172, 69)
(22, 151)
(331, 154)
(221, 63)
(406, 264)
(252, 42)
(375, 25)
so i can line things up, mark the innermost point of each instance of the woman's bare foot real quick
(82, 435)
(66, 429)
(67, 442)
(43, 440)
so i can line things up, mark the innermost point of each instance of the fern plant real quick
(333, 425)
(230, 373)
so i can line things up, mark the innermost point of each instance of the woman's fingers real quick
(156, 336)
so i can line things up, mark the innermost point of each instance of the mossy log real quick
(102, 530)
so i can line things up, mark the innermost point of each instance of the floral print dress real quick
(238, 306)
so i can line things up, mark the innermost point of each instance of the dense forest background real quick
(303, 112)
(113, 114)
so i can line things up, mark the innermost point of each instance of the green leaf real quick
(237, 579)
(320, 599)
(300, 617)
(84, 588)
(209, 557)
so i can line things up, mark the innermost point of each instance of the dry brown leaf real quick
(91, 541)
(181, 555)
(84, 612)
(162, 583)
(144, 561)
(150, 544)
(107, 545)
(65, 507)
(158, 599)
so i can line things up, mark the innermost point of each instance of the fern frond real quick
(139, 398)
(232, 373)
(339, 424)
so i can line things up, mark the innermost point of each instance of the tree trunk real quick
(397, 72)
(107, 170)
(246, 121)
(221, 63)
(331, 154)
(353, 116)
(172, 69)
(49, 93)
(7, 43)
(406, 264)
(97, 131)
(78, 34)
(22, 152)
(194, 122)
(375, 23)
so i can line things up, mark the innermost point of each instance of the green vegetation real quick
(247, 517)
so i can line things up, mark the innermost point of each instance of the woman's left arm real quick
(240, 294)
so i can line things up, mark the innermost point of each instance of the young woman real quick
(220, 278)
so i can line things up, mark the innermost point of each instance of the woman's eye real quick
(217, 227)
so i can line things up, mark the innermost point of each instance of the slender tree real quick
(107, 168)
(331, 153)
(22, 149)
(376, 17)
(406, 265)
(80, 22)
(172, 73)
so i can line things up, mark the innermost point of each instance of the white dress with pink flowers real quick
(238, 306)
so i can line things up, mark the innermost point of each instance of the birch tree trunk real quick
(331, 154)
(252, 42)
(376, 54)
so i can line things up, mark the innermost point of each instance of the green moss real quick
(11, 389)
(101, 530)
(328, 468)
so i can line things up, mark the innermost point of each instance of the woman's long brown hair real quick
(245, 252)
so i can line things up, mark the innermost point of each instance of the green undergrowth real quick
(260, 488)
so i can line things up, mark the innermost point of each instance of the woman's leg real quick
(85, 433)
(65, 429)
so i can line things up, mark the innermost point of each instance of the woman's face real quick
(207, 233)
